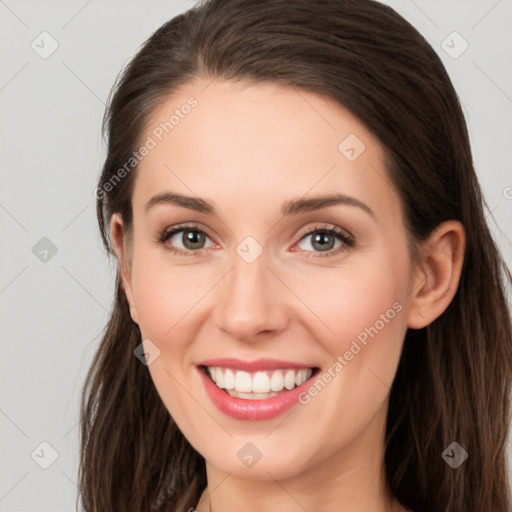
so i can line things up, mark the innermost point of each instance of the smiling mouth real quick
(258, 385)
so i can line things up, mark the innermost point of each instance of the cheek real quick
(164, 293)
(359, 302)
(360, 312)
(362, 308)
(365, 309)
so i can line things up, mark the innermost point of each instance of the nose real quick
(251, 301)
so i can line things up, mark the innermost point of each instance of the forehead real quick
(247, 147)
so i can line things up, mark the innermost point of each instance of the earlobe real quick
(118, 238)
(438, 275)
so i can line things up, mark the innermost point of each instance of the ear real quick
(122, 251)
(438, 274)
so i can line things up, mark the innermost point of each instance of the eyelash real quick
(347, 240)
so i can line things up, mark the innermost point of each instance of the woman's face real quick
(264, 280)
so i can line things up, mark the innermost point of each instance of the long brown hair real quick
(454, 377)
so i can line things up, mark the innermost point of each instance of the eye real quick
(323, 240)
(190, 236)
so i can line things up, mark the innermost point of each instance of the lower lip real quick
(251, 410)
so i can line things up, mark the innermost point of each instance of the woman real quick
(310, 309)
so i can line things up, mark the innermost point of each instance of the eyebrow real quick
(292, 207)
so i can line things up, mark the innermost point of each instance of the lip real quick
(252, 410)
(253, 366)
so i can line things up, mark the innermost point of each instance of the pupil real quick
(193, 238)
(321, 239)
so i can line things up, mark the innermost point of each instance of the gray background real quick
(54, 304)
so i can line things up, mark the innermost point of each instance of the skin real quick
(247, 149)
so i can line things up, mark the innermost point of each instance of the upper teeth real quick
(258, 382)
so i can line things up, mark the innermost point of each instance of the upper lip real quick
(252, 366)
